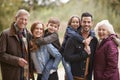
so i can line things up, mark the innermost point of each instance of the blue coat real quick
(70, 32)
(106, 61)
(42, 56)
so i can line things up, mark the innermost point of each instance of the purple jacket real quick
(106, 61)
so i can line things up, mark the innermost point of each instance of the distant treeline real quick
(9, 7)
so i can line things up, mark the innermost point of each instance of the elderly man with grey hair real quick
(14, 52)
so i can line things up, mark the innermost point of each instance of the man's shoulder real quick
(6, 31)
(95, 38)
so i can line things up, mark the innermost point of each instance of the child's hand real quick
(87, 41)
(116, 40)
(87, 49)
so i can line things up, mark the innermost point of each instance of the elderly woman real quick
(106, 55)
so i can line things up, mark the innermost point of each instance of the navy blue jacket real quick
(69, 33)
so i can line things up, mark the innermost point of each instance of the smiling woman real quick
(46, 58)
(37, 29)
(107, 53)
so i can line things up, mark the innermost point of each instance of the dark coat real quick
(106, 61)
(55, 43)
(70, 32)
(10, 51)
(74, 53)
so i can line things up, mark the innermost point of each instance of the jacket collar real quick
(110, 37)
(70, 28)
(12, 30)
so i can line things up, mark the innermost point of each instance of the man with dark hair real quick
(86, 14)
(80, 55)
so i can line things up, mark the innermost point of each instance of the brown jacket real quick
(10, 51)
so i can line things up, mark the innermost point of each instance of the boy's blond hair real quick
(54, 20)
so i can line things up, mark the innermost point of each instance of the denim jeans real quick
(67, 68)
(53, 76)
(48, 67)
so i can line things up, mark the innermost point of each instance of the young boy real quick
(53, 27)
